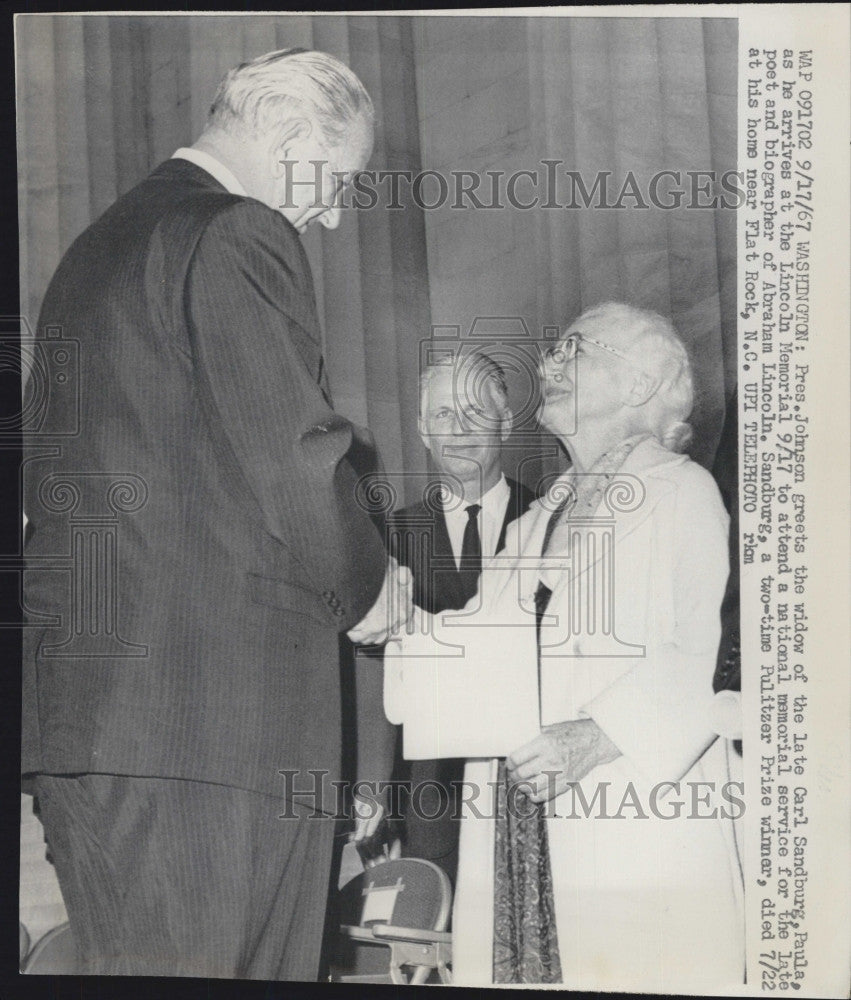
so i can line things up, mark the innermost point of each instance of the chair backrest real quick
(54, 955)
(408, 892)
(23, 943)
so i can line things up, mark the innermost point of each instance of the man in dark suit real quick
(188, 678)
(464, 419)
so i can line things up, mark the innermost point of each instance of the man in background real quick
(164, 710)
(464, 419)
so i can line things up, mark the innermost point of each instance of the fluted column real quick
(93, 502)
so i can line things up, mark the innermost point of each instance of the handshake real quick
(392, 610)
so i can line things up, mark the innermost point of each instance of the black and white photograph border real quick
(526, 169)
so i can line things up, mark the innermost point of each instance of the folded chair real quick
(393, 925)
(53, 955)
(23, 943)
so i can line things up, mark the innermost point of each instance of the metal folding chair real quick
(393, 925)
(53, 955)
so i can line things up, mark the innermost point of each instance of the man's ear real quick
(639, 388)
(283, 139)
(506, 424)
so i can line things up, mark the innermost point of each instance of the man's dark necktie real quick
(471, 553)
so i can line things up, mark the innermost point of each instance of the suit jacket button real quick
(338, 612)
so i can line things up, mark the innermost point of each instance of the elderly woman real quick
(611, 862)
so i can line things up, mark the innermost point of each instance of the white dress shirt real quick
(494, 504)
(222, 174)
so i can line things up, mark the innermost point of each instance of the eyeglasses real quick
(569, 347)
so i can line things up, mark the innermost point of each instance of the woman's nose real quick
(555, 356)
(552, 364)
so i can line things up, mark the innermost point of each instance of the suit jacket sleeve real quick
(254, 339)
(658, 714)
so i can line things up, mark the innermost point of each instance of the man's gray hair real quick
(473, 368)
(657, 349)
(258, 95)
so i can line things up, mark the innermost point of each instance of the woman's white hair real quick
(657, 349)
(258, 95)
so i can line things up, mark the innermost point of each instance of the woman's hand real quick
(559, 756)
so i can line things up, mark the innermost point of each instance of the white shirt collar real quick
(214, 167)
(487, 501)
(494, 504)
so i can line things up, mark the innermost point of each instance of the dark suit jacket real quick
(419, 539)
(238, 553)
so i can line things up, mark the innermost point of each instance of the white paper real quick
(477, 697)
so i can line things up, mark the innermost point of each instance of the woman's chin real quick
(556, 414)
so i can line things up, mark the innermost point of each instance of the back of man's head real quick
(258, 95)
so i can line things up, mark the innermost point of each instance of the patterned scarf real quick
(525, 936)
